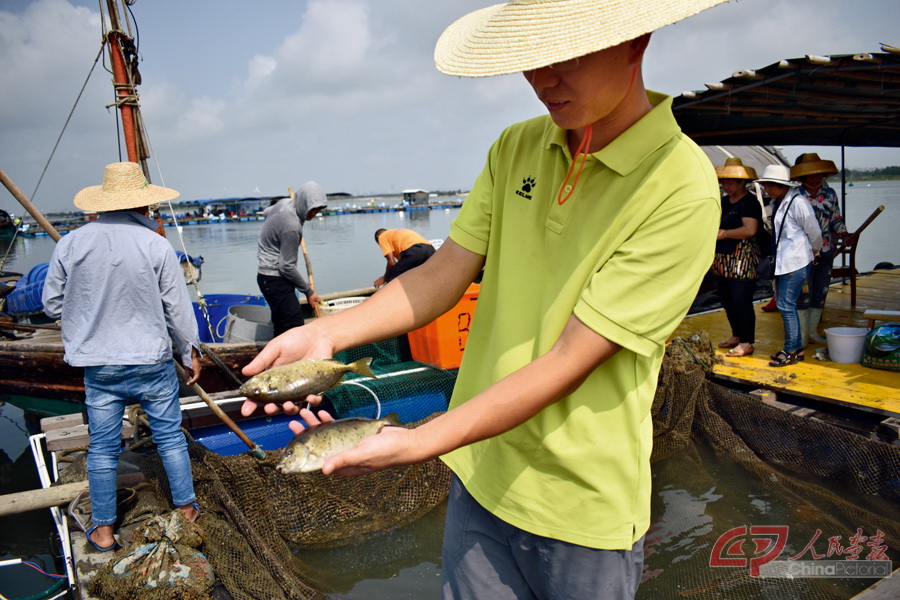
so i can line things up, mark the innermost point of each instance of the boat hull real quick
(38, 369)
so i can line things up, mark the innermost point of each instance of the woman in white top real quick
(798, 240)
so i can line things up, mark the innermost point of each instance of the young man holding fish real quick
(549, 430)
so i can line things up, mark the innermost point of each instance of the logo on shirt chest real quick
(528, 184)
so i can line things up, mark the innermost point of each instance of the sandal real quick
(737, 351)
(799, 353)
(727, 344)
(97, 546)
(783, 359)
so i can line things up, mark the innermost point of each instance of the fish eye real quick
(288, 452)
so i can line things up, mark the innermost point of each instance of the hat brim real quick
(790, 184)
(94, 199)
(523, 35)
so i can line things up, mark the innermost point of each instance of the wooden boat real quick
(7, 226)
(33, 365)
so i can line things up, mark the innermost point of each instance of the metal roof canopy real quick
(840, 100)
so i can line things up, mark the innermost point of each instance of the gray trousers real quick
(485, 558)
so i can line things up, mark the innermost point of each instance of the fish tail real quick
(393, 419)
(363, 366)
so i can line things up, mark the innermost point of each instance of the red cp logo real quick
(768, 542)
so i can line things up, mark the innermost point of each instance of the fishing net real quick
(265, 533)
(815, 479)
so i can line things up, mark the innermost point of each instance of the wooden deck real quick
(853, 386)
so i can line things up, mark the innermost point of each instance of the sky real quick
(250, 98)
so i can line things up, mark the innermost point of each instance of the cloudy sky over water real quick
(248, 98)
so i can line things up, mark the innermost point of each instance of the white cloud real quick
(340, 91)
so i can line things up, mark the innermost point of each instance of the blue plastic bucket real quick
(217, 305)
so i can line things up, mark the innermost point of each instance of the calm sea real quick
(344, 256)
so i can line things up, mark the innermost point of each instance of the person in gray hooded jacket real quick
(277, 274)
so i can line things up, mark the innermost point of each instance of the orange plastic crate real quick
(441, 343)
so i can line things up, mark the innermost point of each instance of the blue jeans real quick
(788, 288)
(485, 557)
(107, 389)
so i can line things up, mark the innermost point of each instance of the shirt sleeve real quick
(180, 320)
(287, 260)
(638, 297)
(472, 227)
(54, 286)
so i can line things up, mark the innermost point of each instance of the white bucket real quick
(338, 304)
(249, 323)
(846, 344)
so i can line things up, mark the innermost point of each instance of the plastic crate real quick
(441, 343)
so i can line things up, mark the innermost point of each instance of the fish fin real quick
(363, 366)
(393, 419)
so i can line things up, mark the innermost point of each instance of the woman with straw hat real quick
(737, 255)
(811, 171)
(595, 225)
(117, 287)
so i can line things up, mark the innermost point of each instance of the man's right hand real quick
(292, 345)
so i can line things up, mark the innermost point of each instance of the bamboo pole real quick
(254, 448)
(316, 308)
(31, 208)
(55, 495)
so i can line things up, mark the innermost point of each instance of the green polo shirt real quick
(626, 254)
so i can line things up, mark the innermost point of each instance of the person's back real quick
(115, 268)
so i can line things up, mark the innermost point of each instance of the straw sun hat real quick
(522, 35)
(124, 186)
(735, 169)
(811, 164)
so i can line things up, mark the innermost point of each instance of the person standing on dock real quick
(737, 255)
(119, 291)
(797, 241)
(403, 249)
(595, 226)
(811, 171)
(279, 241)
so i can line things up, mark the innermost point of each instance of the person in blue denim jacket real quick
(118, 290)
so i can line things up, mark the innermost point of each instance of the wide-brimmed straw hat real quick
(522, 35)
(124, 186)
(811, 164)
(735, 169)
(777, 174)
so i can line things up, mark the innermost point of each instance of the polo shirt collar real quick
(625, 153)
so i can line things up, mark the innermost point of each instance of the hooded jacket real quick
(281, 232)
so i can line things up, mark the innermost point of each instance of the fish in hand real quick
(309, 448)
(297, 380)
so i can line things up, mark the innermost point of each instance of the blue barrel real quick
(217, 305)
(26, 298)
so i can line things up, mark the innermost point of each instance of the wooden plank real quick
(886, 589)
(61, 422)
(77, 436)
(853, 386)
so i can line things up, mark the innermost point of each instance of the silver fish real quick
(299, 379)
(309, 448)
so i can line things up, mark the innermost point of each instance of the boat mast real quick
(124, 82)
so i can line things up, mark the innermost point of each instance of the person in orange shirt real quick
(404, 249)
